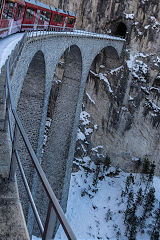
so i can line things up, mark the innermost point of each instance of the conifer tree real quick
(148, 205)
(150, 176)
(129, 180)
(156, 229)
(139, 198)
(131, 222)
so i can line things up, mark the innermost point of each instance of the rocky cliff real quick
(122, 95)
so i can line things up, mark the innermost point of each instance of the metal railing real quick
(57, 30)
(15, 157)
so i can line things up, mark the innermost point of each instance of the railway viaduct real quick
(32, 81)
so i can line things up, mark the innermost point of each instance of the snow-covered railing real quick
(54, 30)
(15, 157)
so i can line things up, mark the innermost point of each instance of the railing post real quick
(13, 157)
(48, 232)
(8, 103)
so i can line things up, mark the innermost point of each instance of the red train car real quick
(16, 15)
(11, 16)
(39, 15)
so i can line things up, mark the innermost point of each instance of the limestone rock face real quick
(125, 92)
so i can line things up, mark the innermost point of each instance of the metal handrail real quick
(51, 29)
(53, 202)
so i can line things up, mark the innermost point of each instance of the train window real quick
(58, 18)
(29, 13)
(42, 17)
(70, 21)
(10, 11)
(6, 9)
(45, 16)
(48, 16)
(18, 15)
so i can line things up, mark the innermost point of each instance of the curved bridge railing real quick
(15, 158)
(53, 30)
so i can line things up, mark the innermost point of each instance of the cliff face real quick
(122, 96)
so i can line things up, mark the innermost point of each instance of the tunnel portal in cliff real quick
(120, 30)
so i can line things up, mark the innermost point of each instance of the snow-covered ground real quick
(7, 44)
(99, 198)
(95, 207)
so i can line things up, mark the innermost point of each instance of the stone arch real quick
(30, 108)
(120, 29)
(108, 56)
(105, 60)
(56, 162)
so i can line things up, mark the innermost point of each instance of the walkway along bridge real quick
(26, 84)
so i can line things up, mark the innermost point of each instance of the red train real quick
(18, 15)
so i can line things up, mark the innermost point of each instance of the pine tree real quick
(151, 172)
(155, 233)
(148, 205)
(139, 197)
(129, 180)
(145, 166)
(155, 236)
(130, 203)
(131, 223)
(150, 176)
(130, 199)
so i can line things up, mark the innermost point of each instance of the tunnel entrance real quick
(120, 30)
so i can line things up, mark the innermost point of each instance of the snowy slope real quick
(99, 195)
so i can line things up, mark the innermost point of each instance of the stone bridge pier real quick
(32, 82)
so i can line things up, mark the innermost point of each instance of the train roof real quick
(18, 1)
(43, 5)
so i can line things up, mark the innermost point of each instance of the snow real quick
(96, 148)
(98, 198)
(137, 66)
(36, 238)
(93, 73)
(124, 109)
(88, 131)
(130, 98)
(135, 159)
(139, 32)
(7, 45)
(102, 77)
(116, 69)
(102, 66)
(147, 26)
(89, 97)
(84, 118)
(129, 15)
(158, 59)
(80, 135)
(130, 62)
(76, 32)
(156, 184)
(96, 210)
(155, 22)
